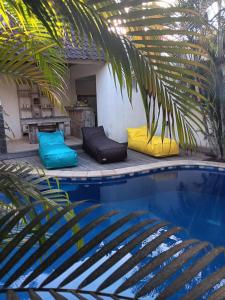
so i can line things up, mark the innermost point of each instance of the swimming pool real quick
(188, 197)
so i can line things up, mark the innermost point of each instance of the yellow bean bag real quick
(138, 140)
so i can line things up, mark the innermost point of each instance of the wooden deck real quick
(86, 163)
(23, 145)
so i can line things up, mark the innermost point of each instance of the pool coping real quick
(134, 170)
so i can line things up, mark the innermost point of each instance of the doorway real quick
(86, 94)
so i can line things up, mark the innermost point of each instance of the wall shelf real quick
(26, 109)
(49, 108)
(37, 113)
(26, 93)
(34, 102)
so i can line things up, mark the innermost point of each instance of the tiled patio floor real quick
(86, 163)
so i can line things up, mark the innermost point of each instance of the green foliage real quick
(23, 185)
(154, 49)
(163, 60)
(176, 261)
(28, 54)
(160, 51)
(214, 112)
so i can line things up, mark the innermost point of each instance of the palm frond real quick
(152, 257)
(22, 184)
(164, 63)
(73, 20)
(28, 58)
(155, 48)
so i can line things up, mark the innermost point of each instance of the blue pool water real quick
(191, 198)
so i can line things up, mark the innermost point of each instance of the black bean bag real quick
(100, 147)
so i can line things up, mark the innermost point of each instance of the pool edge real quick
(132, 171)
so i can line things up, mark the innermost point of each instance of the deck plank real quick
(86, 163)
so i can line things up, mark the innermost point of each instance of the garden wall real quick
(9, 101)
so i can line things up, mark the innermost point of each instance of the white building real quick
(91, 82)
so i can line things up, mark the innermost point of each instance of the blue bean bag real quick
(54, 153)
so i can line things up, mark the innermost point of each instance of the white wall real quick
(84, 70)
(10, 103)
(114, 110)
(9, 100)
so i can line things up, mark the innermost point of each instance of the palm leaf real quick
(151, 268)
(160, 35)
(28, 58)
(155, 48)
(71, 20)
(22, 184)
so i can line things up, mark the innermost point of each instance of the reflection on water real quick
(194, 200)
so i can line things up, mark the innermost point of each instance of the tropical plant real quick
(21, 185)
(162, 263)
(28, 56)
(154, 47)
(217, 112)
(31, 51)
(161, 37)
(214, 119)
